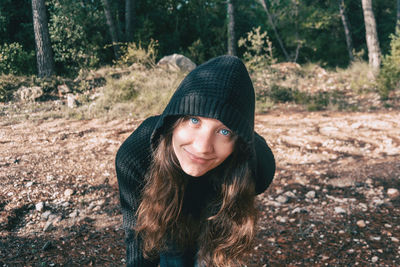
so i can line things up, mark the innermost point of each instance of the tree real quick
(129, 11)
(371, 35)
(398, 14)
(271, 21)
(44, 54)
(346, 26)
(111, 27)
(231, 28)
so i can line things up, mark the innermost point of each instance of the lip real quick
(196, 159)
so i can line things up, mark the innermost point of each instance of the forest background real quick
(76, 36)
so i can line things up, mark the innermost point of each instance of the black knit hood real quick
(220, 89)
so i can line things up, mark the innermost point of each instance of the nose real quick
(203, 142)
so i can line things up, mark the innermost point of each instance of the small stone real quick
(394, 239)
(74, 214)
(39, 206)
(48, 226)
(375, 238)
(71, 101)
(350, 251)
(47, 246)
(46, 215)
(310, 194)
(281, 219)
(374, 259)
(361, 223)
(68, 192)
(282, 199)
(340, 210)
(299, 210)
(29, 184)
(49, 178)
(393, 193)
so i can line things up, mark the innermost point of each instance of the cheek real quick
(225, 150)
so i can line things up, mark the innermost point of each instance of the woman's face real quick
(201, 144)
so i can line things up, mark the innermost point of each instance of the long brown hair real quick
(227, 230)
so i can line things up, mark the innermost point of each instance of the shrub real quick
(389, 76)
(15, 60)
(258, 47)
(134, 53)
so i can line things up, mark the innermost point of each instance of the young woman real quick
(188, 177)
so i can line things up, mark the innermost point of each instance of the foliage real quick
(389, 76)
(258, 53)
(77, 34)
(134, 53)
(15, 60)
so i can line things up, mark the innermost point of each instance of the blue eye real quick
(225, 132)
(194, 120)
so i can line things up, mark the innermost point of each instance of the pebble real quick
(394, 239)
(393, 193)
(48, 226)
(340, 210)
(74, 214)
(46, 215)
(310, 194)
(299, 210)
(361, 223)
(281, 199)
(39, 206)
(29, 184)
(68, 192)
(281, 219)
(374, 259)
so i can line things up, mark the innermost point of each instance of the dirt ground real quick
(334, 200)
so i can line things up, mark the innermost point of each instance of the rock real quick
(47, 246)
(46, 215)
(26, 94)
(393, 193)
(361, 223)
(374, 259)
(340, 210)
(29, 184)
(281, 199)
(47, 227)
(176, 62)
(68, 192)
(394, 239)
(49, 178)
(74, 214)
(310, 194)
(39, 206)
(281, 219)
(299, 210)
(71, 101)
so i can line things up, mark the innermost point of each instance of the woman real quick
(188, 177)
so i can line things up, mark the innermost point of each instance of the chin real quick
(194, 173)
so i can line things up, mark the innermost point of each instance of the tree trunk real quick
(270, 20)
(128, 20)
(44, 54)
(398, 15)
(111, 27)
(231, 28)
(346, 27)
(374, 53)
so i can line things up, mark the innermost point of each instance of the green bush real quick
(134, 53)
(15, 60)
(389, 76)
(258, 47)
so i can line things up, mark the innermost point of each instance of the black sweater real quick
(132, 162)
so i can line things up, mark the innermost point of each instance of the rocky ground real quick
(335, 200)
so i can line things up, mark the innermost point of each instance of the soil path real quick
(334, 200)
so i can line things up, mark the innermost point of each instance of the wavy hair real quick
(228, 228)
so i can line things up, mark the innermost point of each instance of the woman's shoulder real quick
(137, 147)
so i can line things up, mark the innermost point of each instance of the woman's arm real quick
(265, 164)
(131, 164)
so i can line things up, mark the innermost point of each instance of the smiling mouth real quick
(196, 159)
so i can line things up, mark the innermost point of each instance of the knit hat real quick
(221, 89)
